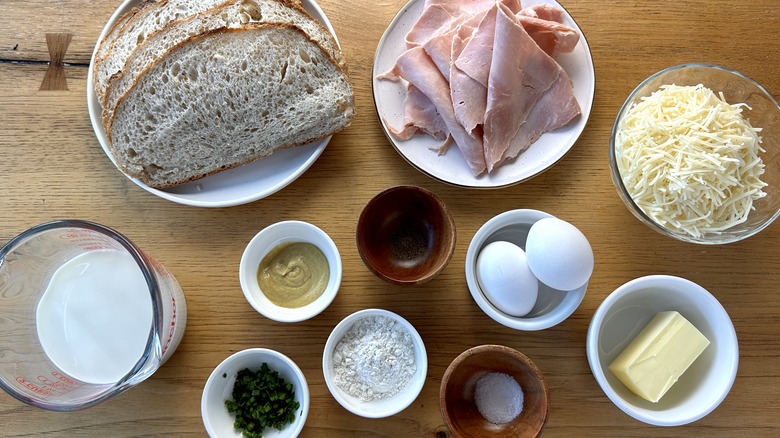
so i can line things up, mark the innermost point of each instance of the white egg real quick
(505, 279)
(559, 255)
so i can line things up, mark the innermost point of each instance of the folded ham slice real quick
(417, 68)
(469, 97)
(556, 108)
(550, 36)
(520, 74)
(420, 115)
(439, 47)
(545, 12)
(438, 15)
(477, 54)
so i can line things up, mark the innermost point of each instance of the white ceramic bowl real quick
(269, 238)
(627, 310)
(376, 408)
(219, 387)
(552, 306)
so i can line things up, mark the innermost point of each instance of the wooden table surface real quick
(52, 167)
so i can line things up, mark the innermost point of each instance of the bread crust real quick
(117, 28)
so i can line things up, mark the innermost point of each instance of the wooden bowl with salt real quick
(458, 398)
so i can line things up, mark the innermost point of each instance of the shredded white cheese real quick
(690, 160)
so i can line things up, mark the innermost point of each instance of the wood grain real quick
(52, 167)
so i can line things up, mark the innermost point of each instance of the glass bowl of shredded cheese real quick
(695, 154)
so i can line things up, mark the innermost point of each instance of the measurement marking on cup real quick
(173, 327)
(31, 386)
(62, 387)
(49, 388)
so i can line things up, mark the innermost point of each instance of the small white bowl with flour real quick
(374, 363)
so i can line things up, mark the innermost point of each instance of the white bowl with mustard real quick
(290, 271)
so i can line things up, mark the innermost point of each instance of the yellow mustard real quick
(293, 274)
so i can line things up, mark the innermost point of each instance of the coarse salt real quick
(499, 397)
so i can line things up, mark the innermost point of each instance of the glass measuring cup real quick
(84, 315)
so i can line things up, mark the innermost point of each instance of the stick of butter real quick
(659, 355)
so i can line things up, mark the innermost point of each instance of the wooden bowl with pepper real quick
(406, 235)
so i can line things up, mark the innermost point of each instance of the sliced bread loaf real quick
(147, 20)
(233, 14)
(225, 98)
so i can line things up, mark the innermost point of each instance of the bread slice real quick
(232, 14)
(113, 32)
(116, 28)
(147, 20)
(225, 98)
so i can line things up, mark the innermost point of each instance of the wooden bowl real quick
(406, 235)
(456, 395)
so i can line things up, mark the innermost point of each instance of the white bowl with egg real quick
(272, 238)
(392, 397)
(680, 172)
(522, 300)
(626, 311)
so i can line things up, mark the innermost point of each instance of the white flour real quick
(375, 359)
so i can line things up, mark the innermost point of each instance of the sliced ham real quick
(479, 73)
(550, 36)
(439, 47)
(438, 15)
(520, 74)
(476, 56)
(474, 59)
(469, 97)
(545, 12)
(433, 18)
(555, 109)
(463, 6)
(420, 115)
(417, 68)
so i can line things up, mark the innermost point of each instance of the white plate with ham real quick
(483, 93)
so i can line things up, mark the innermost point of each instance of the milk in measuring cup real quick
(94, 318)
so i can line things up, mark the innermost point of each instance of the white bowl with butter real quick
(290, 271)
(627, 311)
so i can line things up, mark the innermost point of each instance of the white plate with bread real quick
(259, 177)
(451, 167)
